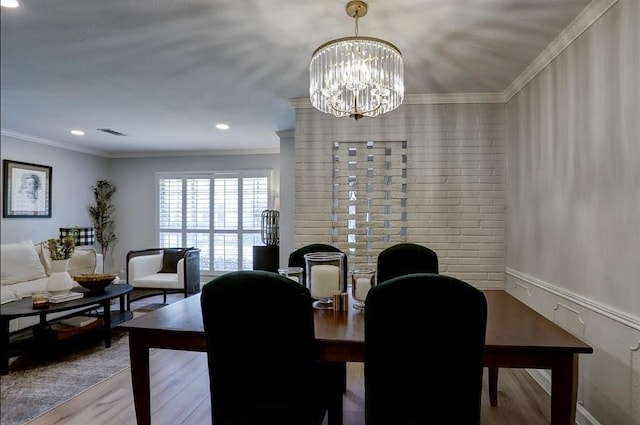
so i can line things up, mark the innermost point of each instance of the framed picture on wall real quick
(26, 189)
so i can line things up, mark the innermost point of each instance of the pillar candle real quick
(363, 285)
(325, 280)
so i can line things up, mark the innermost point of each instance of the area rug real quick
(37, 382)
(40, 380)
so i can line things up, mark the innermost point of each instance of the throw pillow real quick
(45, 257)
(170, 259)
(20, 263)
(82, 261)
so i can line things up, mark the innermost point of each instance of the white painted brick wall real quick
(455, 181)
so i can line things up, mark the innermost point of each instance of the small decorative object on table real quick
(361, 281)
(95, 282)
(39, 300)
(60, 250)
(340, 301)
(294, 273)
(270, 227)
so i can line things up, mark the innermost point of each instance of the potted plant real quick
(60, 250)
(102, 215)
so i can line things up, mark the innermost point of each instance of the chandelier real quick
(356, 76)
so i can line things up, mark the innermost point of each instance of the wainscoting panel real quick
(569, 319)
(635, 382)
(609, 383)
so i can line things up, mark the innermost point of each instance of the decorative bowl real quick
(94, 282)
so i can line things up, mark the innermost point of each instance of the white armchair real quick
(168, 270)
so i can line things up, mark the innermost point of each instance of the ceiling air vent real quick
(108, 130)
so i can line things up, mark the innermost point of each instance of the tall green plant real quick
(103, 216)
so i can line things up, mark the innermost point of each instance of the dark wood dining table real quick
(517, 337)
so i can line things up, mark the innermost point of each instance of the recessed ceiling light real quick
(222, 126)
(77, 132)
(9, 3)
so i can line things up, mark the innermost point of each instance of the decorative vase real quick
(270, 227)
(59, 282)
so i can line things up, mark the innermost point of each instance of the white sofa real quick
(25, 270)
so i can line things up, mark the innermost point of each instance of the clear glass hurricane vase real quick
(324, 276)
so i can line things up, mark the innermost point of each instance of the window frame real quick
(212, 175)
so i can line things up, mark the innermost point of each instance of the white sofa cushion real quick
(144, 273)
(6, 294)
(20, 262)
(25, 289)
(158, 280)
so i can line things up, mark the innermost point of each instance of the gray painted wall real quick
(574, 166)
(72, 176)
(573, 206)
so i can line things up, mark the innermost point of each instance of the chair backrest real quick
(403, 259)
(424, 350)
(296, 258)
(261, 349)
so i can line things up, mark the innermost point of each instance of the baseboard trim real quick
(543, 378)
(583, 417)
(604, 310)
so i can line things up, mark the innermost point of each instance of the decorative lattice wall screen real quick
(369, 198)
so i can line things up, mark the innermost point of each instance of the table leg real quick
(493, 386)
(139, 359)
(564, 390)
(106, 316)
(338, 378)
(4, 347)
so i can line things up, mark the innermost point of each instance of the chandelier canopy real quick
(356, 76)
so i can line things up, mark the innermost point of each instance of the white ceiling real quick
(164, 72)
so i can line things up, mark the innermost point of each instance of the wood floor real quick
(180, 395)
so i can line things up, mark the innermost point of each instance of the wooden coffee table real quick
(90, 301)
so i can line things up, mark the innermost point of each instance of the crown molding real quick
(589, 15)
(41, 140)
(286, 134)
(301, 103)
(580, 24)
(427, 99)
(435, 99)
(194, 153)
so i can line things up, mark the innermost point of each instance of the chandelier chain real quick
(356, 23)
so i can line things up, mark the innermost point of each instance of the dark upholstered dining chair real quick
(403, 259)
(261, 352)
(424, 348)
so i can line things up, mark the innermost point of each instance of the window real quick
(220, 213)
